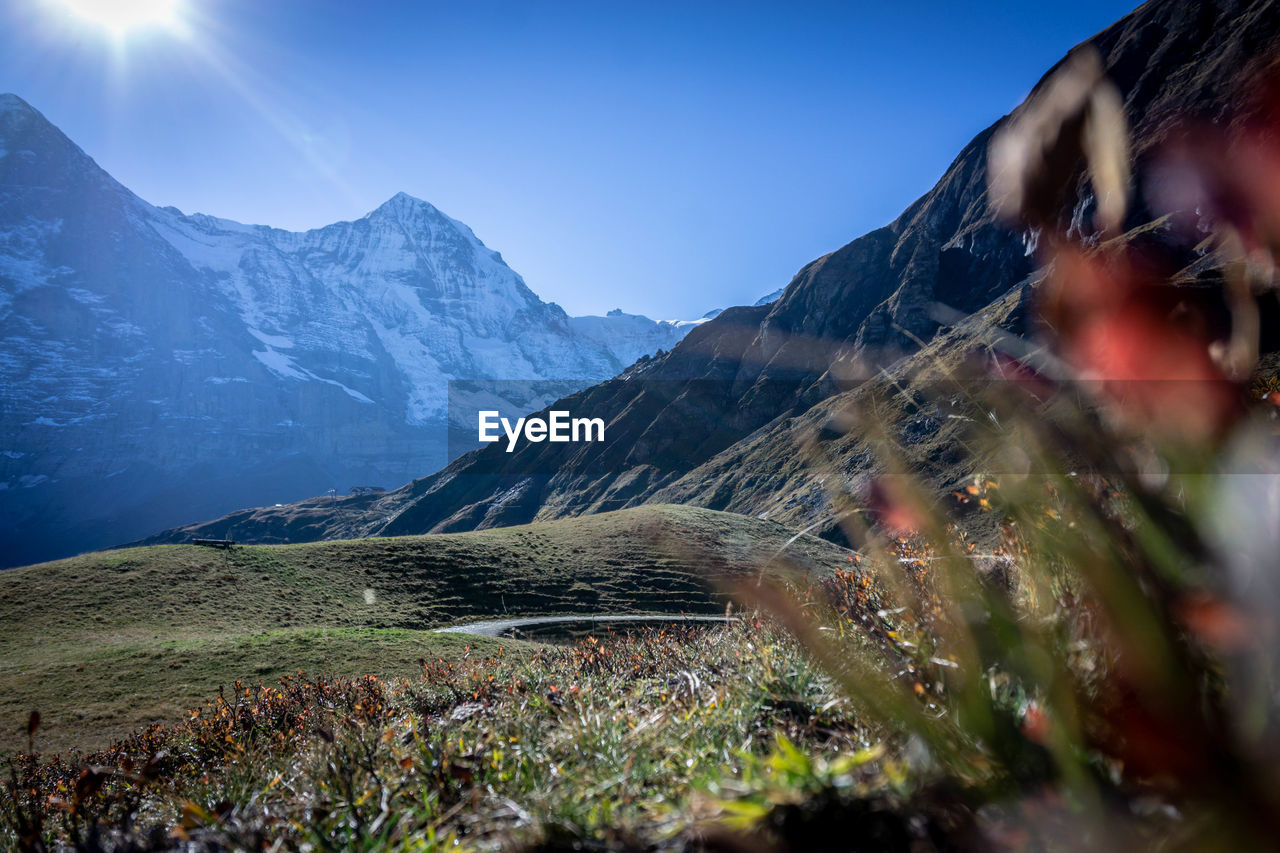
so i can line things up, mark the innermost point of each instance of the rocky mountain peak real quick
(11, 103)
(37, 154)
(403, 207)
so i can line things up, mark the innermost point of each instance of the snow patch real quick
(772, 297)
(203, 249)
(351, 392)
(284, 367)
(273, 341)
(279, 364)
(85, 297)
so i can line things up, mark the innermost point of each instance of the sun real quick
(121, 17)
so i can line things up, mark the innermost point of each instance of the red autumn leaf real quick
(1035, 724)
(1112, 323)
(1215, 622)
(894, 511)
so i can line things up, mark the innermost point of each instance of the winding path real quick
(498, 627)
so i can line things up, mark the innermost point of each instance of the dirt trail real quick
(498, 627)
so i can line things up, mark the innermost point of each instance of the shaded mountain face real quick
(159, 368)
(715, 422)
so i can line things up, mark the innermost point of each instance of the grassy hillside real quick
(103, 642)
(90, 694)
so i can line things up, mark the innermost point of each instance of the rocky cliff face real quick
(710, 423)
(159, 368)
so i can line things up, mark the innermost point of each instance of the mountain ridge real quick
(748, 372)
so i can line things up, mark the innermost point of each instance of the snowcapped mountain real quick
(159, 367)
(405, 283)
(763, 300)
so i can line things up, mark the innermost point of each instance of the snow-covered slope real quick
(629, 336)
(160, 368)
(771, 297)
(405, 285)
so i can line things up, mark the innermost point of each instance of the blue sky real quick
(665, 158)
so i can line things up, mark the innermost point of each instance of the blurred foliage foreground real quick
(1096, 671)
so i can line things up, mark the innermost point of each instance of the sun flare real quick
(121, 17)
